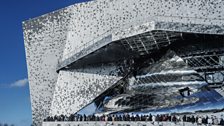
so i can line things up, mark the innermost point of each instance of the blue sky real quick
(15, 106)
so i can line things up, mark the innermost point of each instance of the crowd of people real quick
(131, 117)
(6, 124)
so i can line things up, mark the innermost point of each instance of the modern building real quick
(138, 56)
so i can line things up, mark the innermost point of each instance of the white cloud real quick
(19, 83)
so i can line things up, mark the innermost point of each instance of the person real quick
(65, 118)
(153, 119)
(209, 121)
(184, 118)
(188, 119)
(174, 119)
(199, 121)
(169, 118)
(196, 119)
(71, 117)
(103, 118)
(216, 121)
(128, 117)
(110, 118)
(55, 118)
(116, 118)
(221, 122)
(84, 117)
(132, 117)
(204, 120)
(178, 118)
(157, 118)
(80, 118)
(120, 118)
(193, 119)
(150, 117)
(137, 118)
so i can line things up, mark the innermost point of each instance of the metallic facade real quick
(74, 55)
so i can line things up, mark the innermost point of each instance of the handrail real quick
(136, 22)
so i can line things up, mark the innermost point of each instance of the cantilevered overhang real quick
(150, 36)
(109, 53)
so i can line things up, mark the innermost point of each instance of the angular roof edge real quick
(55, 11)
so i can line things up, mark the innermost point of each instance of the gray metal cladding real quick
(49, 38)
